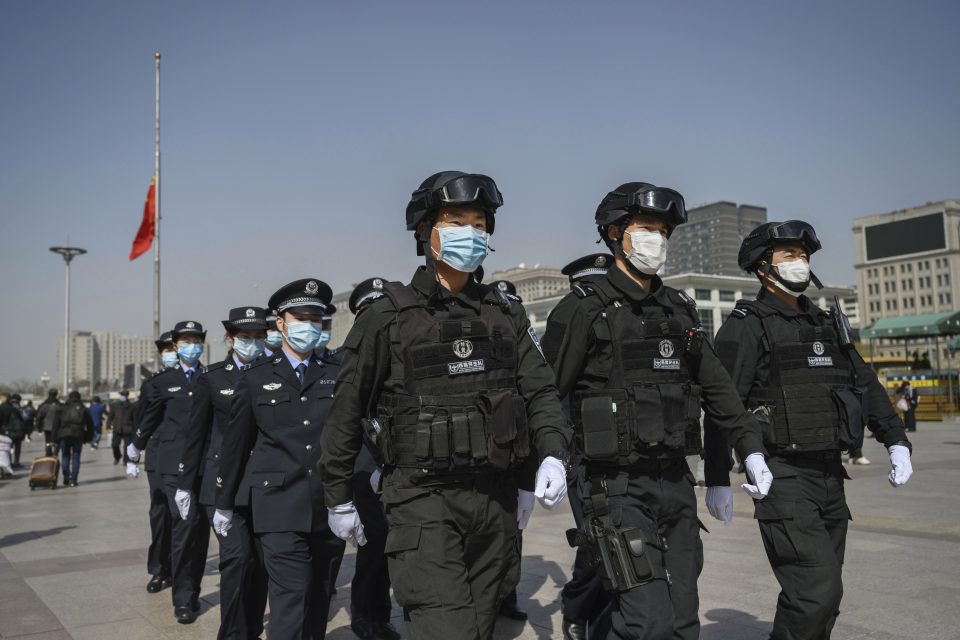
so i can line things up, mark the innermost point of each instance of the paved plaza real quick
(73, 561)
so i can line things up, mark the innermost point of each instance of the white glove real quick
(902, 467)
(221, 521)
(345, 523)
(375, 479)
(182, 498)
(551, 483)
(759, 474)
(525, 502)
(133, 453)
(720, 503)
(132, 469)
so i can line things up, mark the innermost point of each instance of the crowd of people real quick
(427, 439)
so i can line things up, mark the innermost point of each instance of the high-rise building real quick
(907, 263)
(710, 239)
(101, 356)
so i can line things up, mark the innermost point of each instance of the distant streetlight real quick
(68, 254)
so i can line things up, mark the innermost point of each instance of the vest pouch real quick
(648, 414)
(440, 438)
(693, 441)
(850, 408)
(673, 398)
(497, 408)
(599, 427)
(478, 436)
(423, 439)
(811, 418)
(460, 430)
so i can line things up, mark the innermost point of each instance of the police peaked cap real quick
(165, 340)
(366, 292)
(309, 295)
(187, 328)
(595, 264)
(246, 319)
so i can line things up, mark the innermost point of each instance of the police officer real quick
(449, 380)
(583, 598)
(370, 604)
(630, 359)
(510, 607)
(161, 520)
(795, 367)
(274, 338)
(163, 423)
(278, 413)
(243, 586)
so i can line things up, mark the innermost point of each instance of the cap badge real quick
(502, 286)
(191, 325)
(250, 313)
(601, 261)
(312, 287)
(377, 283)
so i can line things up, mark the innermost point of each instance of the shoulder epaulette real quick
(583, 290)
(512, 297)
(215, 366)
(685, 298)
(401, 296)
(739, 313)
(271, 360)
(502, 299)
(753, 307)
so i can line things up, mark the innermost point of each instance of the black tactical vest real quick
(814, 404)
(460, 408)
(650, 398)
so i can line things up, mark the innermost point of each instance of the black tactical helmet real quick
(641, 197)
(759, 244)
(453, 189)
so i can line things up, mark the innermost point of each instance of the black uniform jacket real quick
(745, 352)
(365, 375)
(274, 436)
(582, 362)
(203, 440)
(165, 402)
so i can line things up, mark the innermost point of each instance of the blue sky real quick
(293, 134)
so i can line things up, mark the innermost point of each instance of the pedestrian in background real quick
(96, 411)
(122, 420)
(47, 417)
(908, 405)
(12, 426)
(29, 413)
(73, 429)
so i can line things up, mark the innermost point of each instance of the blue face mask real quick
(274, 338)
(248, 348)
(324, 339)
(463, 248)
(169, 358)
(190, 352)
(303, 337)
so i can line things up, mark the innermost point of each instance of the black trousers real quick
(452, 553)
(243, 579)
(370, 589)
(118, 442)
(161, 525)
(803, 523)
(189, 540)
(656, 496)
(583, 598)
(300, 567)
(910, 419)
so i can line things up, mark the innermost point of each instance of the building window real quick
(728, 296)
(946, 297)
(946, 279)
(706, 322)
(701, 294)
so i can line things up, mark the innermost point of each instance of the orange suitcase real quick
(44, 472)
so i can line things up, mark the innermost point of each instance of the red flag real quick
(141, 244)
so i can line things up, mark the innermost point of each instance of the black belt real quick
(809, 457)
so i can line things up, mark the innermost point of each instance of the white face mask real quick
(649, 251)
(795, 272)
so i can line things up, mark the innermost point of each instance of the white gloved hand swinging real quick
(759, 474)
(902, 468)
(222, 519)
(133, 453)
(345, 523)
(525, 502)
(133, 470)
(182, 498)
(551, 486)
(720, 503)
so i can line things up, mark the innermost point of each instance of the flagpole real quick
(156, 211)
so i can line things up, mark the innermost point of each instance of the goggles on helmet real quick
(658, 200)
(795, 231)
(472, 189)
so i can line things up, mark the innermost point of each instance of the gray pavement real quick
(73, 561)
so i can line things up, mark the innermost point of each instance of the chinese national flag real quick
(141, 244)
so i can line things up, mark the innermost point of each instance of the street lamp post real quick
(68, 254)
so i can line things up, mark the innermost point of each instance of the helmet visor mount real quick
(796, 231)
(657, 201)
(462, 191)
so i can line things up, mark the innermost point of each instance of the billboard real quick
(904, 237)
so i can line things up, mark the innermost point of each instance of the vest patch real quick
(462, 348)
(820, 361)
(467, 366)
(671, 364)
